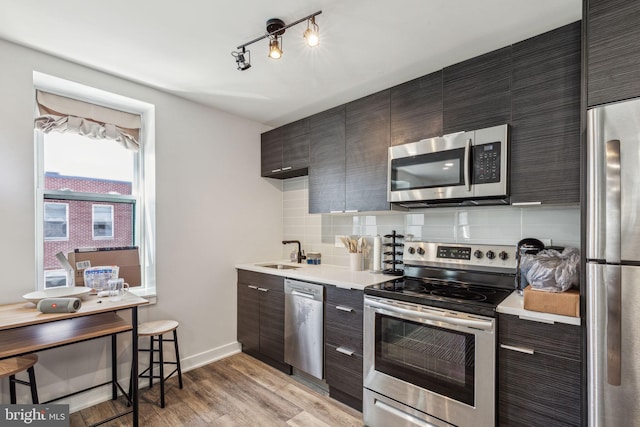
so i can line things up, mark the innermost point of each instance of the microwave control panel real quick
(486, 163)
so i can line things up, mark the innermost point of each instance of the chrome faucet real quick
(284, 242)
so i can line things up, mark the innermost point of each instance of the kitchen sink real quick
(279, 266)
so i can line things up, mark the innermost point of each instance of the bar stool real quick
(10, 367)
(155, 331)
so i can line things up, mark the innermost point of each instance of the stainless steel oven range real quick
(430, 337)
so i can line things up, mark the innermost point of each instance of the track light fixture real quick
(243, 59)
(275, 29)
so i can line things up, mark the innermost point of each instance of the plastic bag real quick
(551, 270)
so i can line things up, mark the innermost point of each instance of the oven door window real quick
(440, 169)
(436, 359)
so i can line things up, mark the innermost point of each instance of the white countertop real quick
(514, 304)
(341, 277)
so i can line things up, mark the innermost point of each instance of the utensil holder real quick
(355, 261)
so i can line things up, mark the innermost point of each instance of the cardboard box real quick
(565, 303)
(127, 259)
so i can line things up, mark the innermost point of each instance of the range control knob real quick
(491, 254)
(478, 253)
(411, 250)
(503, 255)
(420, 251)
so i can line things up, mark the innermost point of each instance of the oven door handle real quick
(485, 325)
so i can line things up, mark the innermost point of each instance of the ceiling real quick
(365, 45)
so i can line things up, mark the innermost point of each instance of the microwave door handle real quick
(467, 161)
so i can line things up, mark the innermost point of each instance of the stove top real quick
(452, 276)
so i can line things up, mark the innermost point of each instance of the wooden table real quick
(24, 330)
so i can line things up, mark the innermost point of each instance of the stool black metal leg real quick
(12, 388)
(32, 383)
(175, 344)
(151, 362)
(161, 371)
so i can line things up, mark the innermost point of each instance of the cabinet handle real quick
(526, 203)
(287, 168)
(336, 211)
(344, 308)
(276, 170)
(345, 350)
(351, 211)
(263, 290)
(252, 287)
(518, 349)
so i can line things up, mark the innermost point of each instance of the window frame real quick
(111, 220)
(143, 187)
(66, 212)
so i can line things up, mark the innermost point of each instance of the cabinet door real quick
(272, 324)
(416, 109)
(613, 37)
(248, 318)
(327, 161)
(545, 132)
(295, 146)
(367, 129)
(477, 92)
(271, 152)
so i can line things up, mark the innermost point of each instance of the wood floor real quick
(236, 391)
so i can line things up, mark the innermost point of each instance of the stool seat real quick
(14, 365)
(157, 327)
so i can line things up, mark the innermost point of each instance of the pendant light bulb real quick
(274, 49)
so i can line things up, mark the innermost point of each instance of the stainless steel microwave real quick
(460, 168)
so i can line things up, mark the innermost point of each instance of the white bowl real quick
(62, 292)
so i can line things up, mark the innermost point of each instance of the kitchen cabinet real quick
(343, 344)
(539, 373)
(545, 125)
(261, 317)
(416, 109)
(612, 49)
(477, 92)
(327, 161)
(285, 151)
(367, 146)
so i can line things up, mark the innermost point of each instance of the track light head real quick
(275, 51)
(312, 33)
(243, 59)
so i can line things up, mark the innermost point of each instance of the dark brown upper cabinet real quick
(416, 109)
(545, 128)
(477, 92)
(367, 146)
(285, 151)
(327, 179)
(613, 50)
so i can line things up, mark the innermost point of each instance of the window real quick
(102, 222)
(93, 189)
(56, 220)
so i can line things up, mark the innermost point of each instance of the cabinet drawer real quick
(346, 297)
(538, 390)
(343, 327)
(342, 371)
(556, 339)
(266, 281)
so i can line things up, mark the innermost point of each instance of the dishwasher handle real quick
(302, 294)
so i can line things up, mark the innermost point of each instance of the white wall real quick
(213, 211)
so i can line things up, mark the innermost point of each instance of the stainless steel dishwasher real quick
(304, 326)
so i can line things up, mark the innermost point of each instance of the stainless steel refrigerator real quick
(613, 265)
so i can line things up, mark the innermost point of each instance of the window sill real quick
(146, 293)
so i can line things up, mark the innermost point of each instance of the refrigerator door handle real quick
(614, 327)
(613, 201)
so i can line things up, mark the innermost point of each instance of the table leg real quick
(134, 361)
(114, 367)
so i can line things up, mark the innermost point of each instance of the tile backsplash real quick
(504, 225)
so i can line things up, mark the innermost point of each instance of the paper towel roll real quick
(377, 253)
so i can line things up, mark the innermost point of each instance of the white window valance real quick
(62, 114)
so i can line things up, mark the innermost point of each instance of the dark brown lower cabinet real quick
(343, 344)
(261, 317)
(539, 373)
